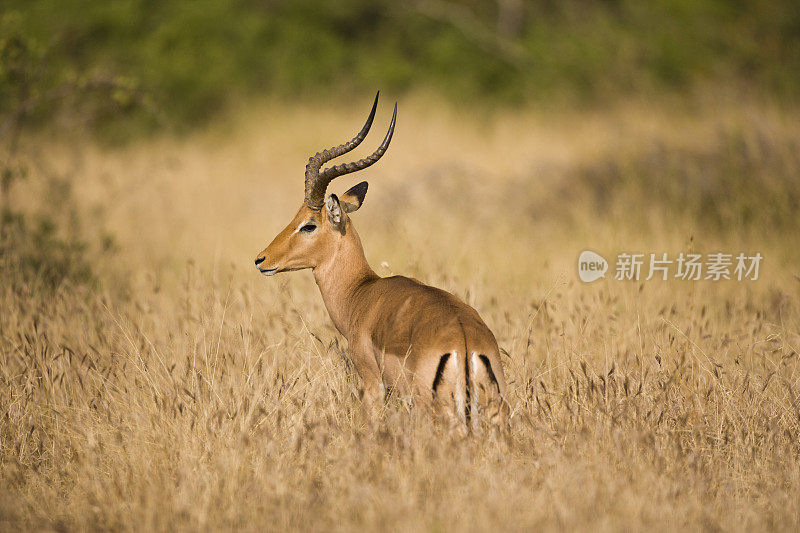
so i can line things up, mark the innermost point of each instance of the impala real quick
(403, 335)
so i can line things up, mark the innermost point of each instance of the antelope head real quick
(313, 233)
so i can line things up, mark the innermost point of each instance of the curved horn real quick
(346, 168)
(318, 182)
(314, 198)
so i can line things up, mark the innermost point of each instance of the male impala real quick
(403, 335)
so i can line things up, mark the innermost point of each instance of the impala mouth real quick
(268, 271)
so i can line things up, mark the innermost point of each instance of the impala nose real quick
(259, 260)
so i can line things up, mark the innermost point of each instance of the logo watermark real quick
(591, 266)
(683, 266)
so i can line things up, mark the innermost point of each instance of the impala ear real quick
(354, 197)
(335, 214)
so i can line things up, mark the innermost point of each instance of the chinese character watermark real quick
(629, 266)
(683, 266)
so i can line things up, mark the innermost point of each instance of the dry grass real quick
(189, 393)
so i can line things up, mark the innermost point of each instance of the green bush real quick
(193, 56)
(45, 249)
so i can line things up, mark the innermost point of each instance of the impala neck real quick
(340, 276)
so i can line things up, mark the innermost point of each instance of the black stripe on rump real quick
(489, 370)
(440, 371)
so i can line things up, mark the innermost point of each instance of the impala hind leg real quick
(445, 388)
(488, 390)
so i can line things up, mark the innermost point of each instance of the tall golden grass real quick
(184, 391)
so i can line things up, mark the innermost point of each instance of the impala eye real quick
(308, 228)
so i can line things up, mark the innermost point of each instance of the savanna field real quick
(155, 381)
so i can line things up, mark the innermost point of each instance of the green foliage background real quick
(192, 56)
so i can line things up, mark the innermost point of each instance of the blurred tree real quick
(33, 88)
(193, 56)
